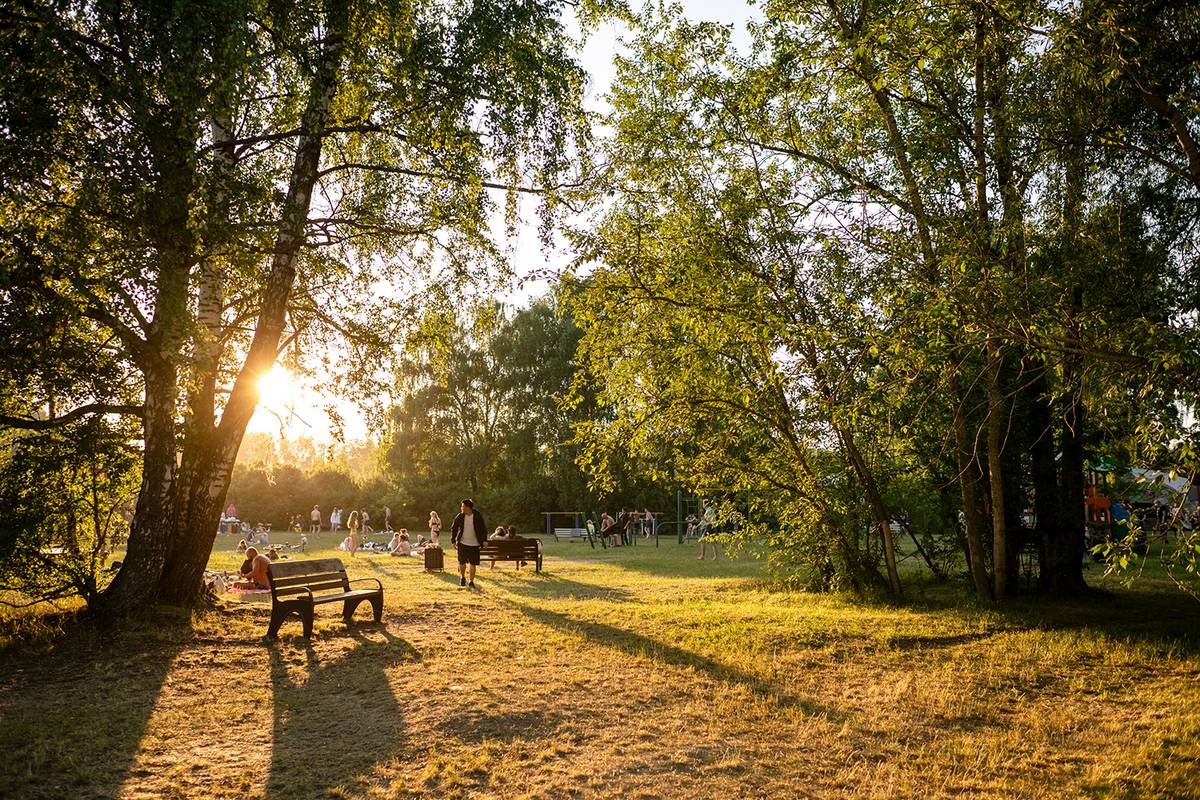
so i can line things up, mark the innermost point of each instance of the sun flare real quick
(277, 389)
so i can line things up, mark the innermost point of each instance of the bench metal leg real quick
(376, 606)
(279, 613)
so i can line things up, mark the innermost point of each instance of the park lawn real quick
(632, 673)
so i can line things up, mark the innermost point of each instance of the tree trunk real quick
(878, 510)
(204, 493)
(1044, 476)
(172, 571)
(153, 519)
(968, 480)
(1063, 571)
(208, 480)
(1065, 550)
(996, 435)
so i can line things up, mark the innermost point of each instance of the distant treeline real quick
(484, 413)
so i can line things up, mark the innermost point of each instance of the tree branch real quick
(33, 424)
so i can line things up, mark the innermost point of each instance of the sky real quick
(293, 410)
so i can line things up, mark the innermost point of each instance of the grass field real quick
(632, 673)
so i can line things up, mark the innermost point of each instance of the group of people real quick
(359, 520)
(627, 526)
(254, 569)
(356, 528)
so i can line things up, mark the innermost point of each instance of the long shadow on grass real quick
(337, 719)
(545, 586)
(677, 561)
(636, 644)
(1161, 617)
(72, 718)
(473, 726)
(1165, 618)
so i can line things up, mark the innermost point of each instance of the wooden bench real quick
(513, 550)
(294, 587)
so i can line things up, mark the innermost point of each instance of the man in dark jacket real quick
(467, 534)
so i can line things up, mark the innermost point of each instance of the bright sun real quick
(277, 390)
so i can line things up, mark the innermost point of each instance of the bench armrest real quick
(360, 580)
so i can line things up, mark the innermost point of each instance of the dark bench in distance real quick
(513, 550)
(295, 586)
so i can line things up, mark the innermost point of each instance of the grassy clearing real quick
(637, 673)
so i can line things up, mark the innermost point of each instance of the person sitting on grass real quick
(241, 548)
(256, 575)
(400, 546)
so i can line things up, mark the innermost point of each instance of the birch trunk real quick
(212, 463)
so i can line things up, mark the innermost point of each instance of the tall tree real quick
(221, 176)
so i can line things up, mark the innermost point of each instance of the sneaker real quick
(462, 582)
(471, 584)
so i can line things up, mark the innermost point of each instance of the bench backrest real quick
(318, 574)
(509, 547)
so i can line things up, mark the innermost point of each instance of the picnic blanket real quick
(248, 591)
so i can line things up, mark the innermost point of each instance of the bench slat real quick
(506, 548)
(305, 580)
(330, 598)
(314, 587)
(286, 569)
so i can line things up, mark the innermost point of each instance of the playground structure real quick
(580, 525)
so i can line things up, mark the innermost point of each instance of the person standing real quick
(707, 530)
(335, 519)
(468, 532)
(387, 518)
(364, 521)
(435, 528)
(315, 519)
(352, 540)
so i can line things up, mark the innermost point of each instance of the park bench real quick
(295, 586)
(513, 550)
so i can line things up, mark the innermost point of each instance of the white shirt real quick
(469, 537)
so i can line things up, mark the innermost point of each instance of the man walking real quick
(315, 519)
(467, 534)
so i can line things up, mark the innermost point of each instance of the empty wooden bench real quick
(295, 586)
(512, 550)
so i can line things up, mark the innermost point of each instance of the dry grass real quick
(635, 673)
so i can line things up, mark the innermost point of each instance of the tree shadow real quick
(473, 726)
(936, 642)
(546, 586)
(673, 561)
(1158, 616)
(1166, 619)
(334, 720)
(73, 711)
(639, 645)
